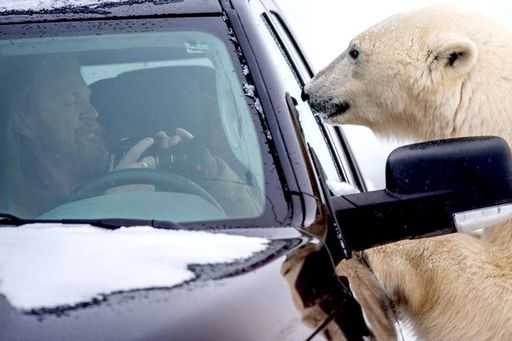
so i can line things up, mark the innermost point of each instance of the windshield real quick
(124, 122)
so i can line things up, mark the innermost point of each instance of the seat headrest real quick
(137, 104)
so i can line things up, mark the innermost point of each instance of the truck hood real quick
(83, 264)
(58, 282)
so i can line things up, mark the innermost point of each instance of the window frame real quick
(336, 141)
(276, 211)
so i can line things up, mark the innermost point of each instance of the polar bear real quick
(433, 73)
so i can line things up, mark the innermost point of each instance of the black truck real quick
(192, 113)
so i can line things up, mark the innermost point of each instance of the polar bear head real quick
(409, 76)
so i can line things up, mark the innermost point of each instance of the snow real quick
(37, 5)
(48, 265)
(341, 188)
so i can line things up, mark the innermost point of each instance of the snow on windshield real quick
(37, 5)
(48, 266)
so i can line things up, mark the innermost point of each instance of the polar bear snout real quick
(304, 95)
(329, 106)
(324, 98)
(341, 107)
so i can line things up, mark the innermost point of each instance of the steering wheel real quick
(163, 180)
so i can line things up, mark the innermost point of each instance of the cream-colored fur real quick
(317, 306)
(429, 74)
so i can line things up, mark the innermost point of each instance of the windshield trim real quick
(127, 9)
(277, 211)
(7, 219)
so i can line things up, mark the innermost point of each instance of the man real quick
(55, 144)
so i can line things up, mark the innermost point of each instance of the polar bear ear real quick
(453, 54)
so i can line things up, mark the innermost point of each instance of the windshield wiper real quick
(7, 219)
(10, 219)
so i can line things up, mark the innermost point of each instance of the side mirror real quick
(432, 188)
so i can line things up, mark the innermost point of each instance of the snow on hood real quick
(37, 5)
(48, 266)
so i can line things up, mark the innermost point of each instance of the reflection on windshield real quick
(141, 125)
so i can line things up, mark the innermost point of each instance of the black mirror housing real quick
(427, 184)
(479, 165)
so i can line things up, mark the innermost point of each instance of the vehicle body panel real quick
(247, 300)
(245, 297)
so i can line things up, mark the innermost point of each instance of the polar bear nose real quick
(342, 107)
(304, 95)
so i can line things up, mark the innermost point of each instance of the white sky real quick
(46, 266)
(325, 29)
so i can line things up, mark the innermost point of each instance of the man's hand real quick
(134, 159)
(164, 141)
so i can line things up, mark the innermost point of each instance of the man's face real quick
(68, 121)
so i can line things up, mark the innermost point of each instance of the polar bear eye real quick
(354, 53)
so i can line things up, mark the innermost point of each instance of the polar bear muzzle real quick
(330, 107)
(341, 108)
